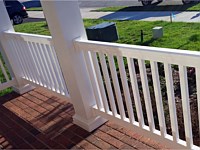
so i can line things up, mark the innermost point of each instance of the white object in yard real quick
(157, 32)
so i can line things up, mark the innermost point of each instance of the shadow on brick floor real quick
(40, 120)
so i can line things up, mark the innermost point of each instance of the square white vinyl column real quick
(65, 24)
(11, 62)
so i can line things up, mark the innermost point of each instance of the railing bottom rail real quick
(145, 131)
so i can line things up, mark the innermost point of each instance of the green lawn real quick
(177, 35)
(189, 7)
(34, 28)
(35, 9)
(2, 79)
(6, 91)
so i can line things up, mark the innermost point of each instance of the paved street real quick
(106, 3)
(147, 16)
(88, 5)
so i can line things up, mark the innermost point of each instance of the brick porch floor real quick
(40, 120)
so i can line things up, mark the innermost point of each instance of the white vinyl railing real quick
(114, 100)
(114, 79)
(5, 80)
(37, 59)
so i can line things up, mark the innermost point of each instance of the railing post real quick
(10, 60)
(65, 24)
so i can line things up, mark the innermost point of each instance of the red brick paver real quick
(40, 120)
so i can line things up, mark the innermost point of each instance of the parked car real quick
(16, 11)
(148, 2)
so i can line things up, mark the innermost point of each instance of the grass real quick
(35, 9)
(2, 80)
(33, 28)
(6, 91)
(153, 7)
(177, 35)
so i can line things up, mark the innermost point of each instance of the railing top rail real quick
(30, 37)
(28, 34)
(172, 56)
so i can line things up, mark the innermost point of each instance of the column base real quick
(24, 89)
(88, 125)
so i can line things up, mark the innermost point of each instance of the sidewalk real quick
(146, 16)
